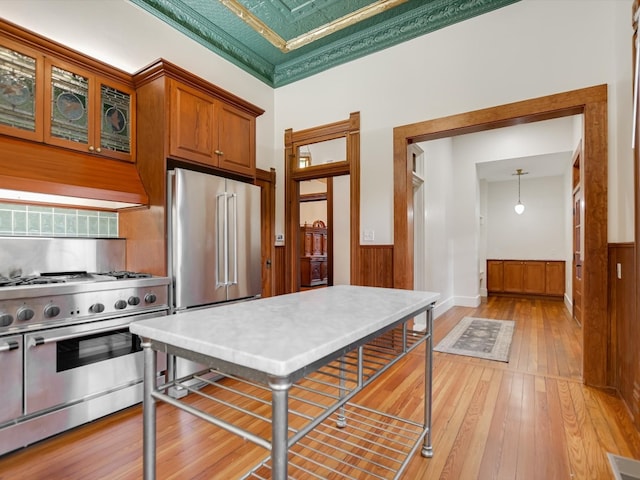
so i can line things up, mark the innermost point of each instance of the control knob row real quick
(122, 304)
(24, 314)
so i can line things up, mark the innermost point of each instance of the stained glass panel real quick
(115, 131)
(69, 106)
(17, 90)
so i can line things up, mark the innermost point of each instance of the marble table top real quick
(281, 335)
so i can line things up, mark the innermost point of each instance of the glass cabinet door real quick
(115, 130)
(69, 116)
(20, 110)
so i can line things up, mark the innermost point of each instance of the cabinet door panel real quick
(192, 125)
(534, 277)
(495, 276)
(513, 272)
(67, 102)
(555, 278)
(117, 118)
(21, 91)
(236, 140)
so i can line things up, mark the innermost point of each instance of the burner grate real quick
(125, 274)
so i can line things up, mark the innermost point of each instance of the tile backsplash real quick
(32, 220)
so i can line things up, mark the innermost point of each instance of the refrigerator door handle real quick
(233, 243)
(222, 271)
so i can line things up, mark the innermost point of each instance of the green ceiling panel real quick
(214, 26)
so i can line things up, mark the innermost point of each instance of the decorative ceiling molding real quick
(247, 35)
(317, 33)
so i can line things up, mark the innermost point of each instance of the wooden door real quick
(578, 214)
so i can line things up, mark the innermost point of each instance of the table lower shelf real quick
(370, 445)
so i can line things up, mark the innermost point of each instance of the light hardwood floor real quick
(530, 418)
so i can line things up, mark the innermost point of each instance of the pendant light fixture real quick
(519, 207)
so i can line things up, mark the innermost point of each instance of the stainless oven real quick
(70, 364)
(66, 354)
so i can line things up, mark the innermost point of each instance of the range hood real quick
(38, 173)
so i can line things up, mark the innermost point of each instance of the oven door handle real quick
(38, 341)
(11, 345)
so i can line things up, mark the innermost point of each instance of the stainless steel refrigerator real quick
(214, 252)
(214, 248)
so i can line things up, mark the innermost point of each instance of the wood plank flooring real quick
(530, 418)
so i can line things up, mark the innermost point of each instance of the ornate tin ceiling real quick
(281, 41)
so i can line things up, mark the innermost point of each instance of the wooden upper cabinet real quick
(192, 122)
(77, 104)
(85, 112)
(236, 140)
(209, 131)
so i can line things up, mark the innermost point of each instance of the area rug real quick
(479, 337)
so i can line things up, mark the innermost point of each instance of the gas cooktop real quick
(68, 277)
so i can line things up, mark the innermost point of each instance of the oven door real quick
(71, 364)
(11, 377)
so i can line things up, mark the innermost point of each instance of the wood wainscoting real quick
(376, 266)
(625, 331)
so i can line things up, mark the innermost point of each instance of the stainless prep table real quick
(295, 362)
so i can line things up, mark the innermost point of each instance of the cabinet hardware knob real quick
(91, 149)
(98, 149)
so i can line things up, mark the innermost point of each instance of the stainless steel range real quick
(66, 354)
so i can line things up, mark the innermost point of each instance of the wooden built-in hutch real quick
(313, 254)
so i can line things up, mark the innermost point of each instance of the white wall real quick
(537, 234)
(497, 58)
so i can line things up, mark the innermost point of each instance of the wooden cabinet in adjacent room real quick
(526, 277)
(313, 254)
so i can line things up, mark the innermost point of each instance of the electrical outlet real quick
(369, 236)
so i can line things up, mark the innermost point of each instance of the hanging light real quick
(519, 207)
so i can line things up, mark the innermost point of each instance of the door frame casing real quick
(591, 102)
(349, 129)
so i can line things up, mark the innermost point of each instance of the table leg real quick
(279, 426)
(427, 448)
(149, 412)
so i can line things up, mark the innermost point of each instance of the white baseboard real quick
(442, 307)
(467, 301)
(568, 302)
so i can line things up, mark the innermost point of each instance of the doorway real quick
(330, 152)
(592, 103)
